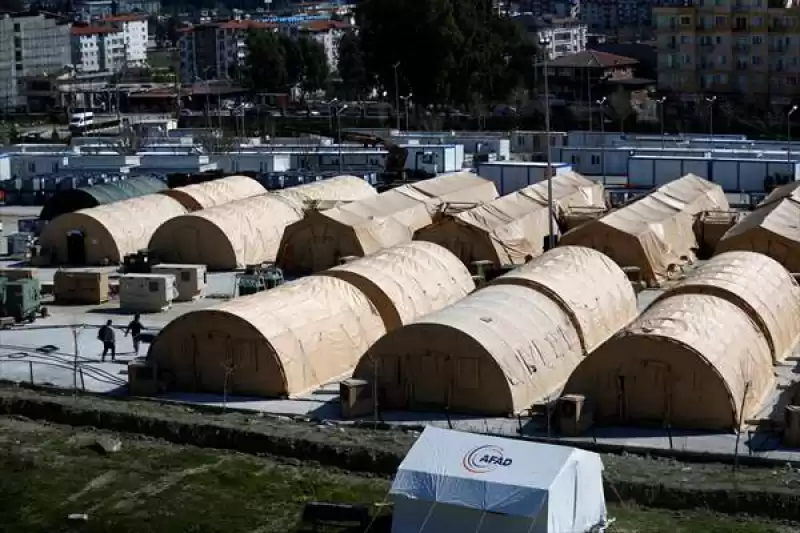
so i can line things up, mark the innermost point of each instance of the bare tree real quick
(217, 144)
(229, 366)
(129, 143)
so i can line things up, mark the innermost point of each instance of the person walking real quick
(106, 335)
(135, 329)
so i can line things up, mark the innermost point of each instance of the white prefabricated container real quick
(440, 158)
(734, 175)
(147, 293)
(253, 161)
(589, 161)
(190, 280)
(19, 243)
(531, 142)
(511, 176)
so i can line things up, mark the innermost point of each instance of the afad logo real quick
(484, 459)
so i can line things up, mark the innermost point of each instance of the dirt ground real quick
(49, 472)
(618, 467)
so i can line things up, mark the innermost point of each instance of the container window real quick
(186, 276)
(153, 286)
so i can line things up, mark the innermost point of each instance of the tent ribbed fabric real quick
(495, 352)
(758, 285)
(215, 192)
(71, 200)
(110, 231)
(771, 229)
(588, 285)
(514, 227)
(227, 236)
(281, 342)
(656, 232)
(360, 228)
(328, 193)
(407, 281)
(690, 361)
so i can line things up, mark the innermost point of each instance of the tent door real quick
(645, 395)
(213, 361)
(189, 353)
(187, 244)
(432, 380)
(76, 248)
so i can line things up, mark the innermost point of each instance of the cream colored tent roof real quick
(505, 231)
(790, 190)
(364, 227)
(570, 190)
(656, 232)
(758, 285)
(688, 360)
(327, 193)
(407, 281)
(227, 236)
(215, 192)
(285, 341)
(773, 230)
(593, 291)
(509, 229)
(111, 231)
(503, 347)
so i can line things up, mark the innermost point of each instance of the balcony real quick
(777, 49)
(706, 44)
(740, 29)
(741, 47)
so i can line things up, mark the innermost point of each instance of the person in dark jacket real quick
(135, 329)
(106, 336)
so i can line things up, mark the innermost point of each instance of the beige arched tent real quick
(495, 352)
(759, 286)
(227, 236)
(282, 342)
(656, 232)
(360, 228)
(772, 229)
(107, 233)
(407, 281)
(513, 228)
(328, 193)
(591, 289)
(690, 361)
(215, 192)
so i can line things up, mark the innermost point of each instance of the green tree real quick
(461, 50)
(351, 67)
(316, 71)
(265, 63)
(293, 58)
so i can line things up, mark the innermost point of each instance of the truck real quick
(20, 301)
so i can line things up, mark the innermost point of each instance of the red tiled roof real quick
(324, 25)
(93, 30)
(231, 25)
(592, 58)
(124, 18)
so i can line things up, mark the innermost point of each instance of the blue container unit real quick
(734, 175)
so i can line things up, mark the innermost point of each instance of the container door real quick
(432, 380)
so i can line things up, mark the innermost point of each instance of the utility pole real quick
(544, 43)
(397, 95)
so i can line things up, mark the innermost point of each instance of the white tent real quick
(454, 482)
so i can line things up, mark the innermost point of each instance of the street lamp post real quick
(789, 132)
(397, 95)
(711, 114)
(660, 102)
(339, 134)
(544, 44)
(602, 103)
(405, 100)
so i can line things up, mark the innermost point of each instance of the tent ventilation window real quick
(468, 375)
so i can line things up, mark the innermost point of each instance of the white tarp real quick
(454, 482)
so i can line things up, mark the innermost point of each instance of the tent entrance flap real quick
(637, 393)
(76, 248)
(433, 368)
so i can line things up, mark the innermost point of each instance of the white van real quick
(81, 119)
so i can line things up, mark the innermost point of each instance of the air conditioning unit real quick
(791, 426)
(573, 415)
(356, 398)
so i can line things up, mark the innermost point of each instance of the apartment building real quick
(610, 16)
(30, 45)
(563, 36)
(134, 28)
(210, 51)
(97, 48)
(740, 47)
(325, 32)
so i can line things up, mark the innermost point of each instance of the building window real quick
(756, 60)
(686, 21)
(17, 27)
(757, 39)
(595, 159)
